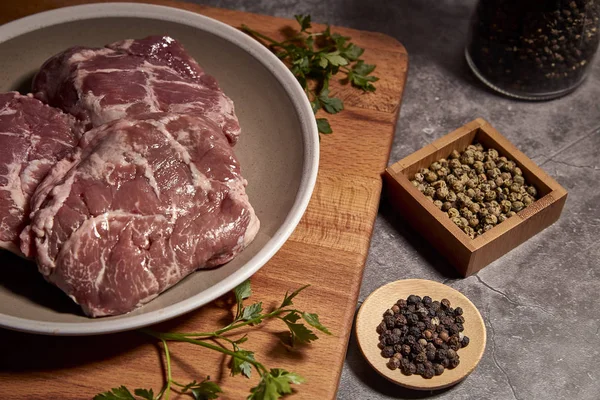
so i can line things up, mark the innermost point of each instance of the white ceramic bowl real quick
(278, 150)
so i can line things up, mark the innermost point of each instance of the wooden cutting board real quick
(328, 250)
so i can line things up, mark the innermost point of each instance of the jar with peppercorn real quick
(534, 50)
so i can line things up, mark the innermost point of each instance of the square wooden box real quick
(465, 254)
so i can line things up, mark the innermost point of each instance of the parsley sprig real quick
(314, 58)
(273, 383)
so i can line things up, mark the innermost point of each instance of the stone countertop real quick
(538, 301)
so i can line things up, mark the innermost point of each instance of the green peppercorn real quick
(441, 193)
(453, 213)
(454, 164)
(435, 166)
(450, 179)
(517, 171)
(431, 177)
(438, 204)
(465, 212)
(518, 205)
(492, 154)
(487, 227)
(519, 179)
(442, 172)
(458, 186)
(446, 206)
(490, 195)
(502, 218)
(454, 155)
(531, 191)
(415, 183)
(451, 197)
(429, 191)
(469, 231)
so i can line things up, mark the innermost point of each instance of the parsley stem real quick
(252, 32)
(168, 359)
(178, 337)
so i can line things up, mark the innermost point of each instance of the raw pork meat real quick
(33, 137)
(142, 204)
(130, 78)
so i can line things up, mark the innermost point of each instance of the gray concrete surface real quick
(540, 301)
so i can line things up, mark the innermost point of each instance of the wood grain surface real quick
(371, 314)
(328, 250)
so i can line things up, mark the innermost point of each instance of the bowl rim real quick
(309, 169)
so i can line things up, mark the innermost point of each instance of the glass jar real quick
(533, 49)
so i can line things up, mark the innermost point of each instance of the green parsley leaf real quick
(205, 390)
(360, 68)
(315, 105)
(323, 126)
(274, 385)
(120, 393)
(304, 21)
(239, 366)
(313, 320)
(144, 393)
(353, 52)
(335, 58)
(252, 311)
(243, 291)
(287, 300)
(359, 76)
(300, 333)
(292, 317)
(332, 105)
(241, 340)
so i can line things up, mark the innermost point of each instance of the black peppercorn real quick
(393, 363)
(430, 355)
(458, 311)
(420, 369)
(428, 373)
(453, 363)
(401, 303)
(387, 351)
(421, 357)
(445, 303)
(389, 321)
(405, 349)
(426, 300)
(438, 369)
(460, 319)
(465, 341)
(399, 320)
(412, 319)
(451, 353)
(444, 336)
(445, 362)
(417, 348)
(413, 299)
(441, 354)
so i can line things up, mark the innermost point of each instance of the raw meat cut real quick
(133, 77)
(140, 205)
(33, 137)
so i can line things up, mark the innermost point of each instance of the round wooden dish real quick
(371, 314)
